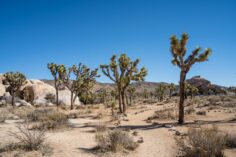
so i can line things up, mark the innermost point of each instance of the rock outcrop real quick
(35, 92)
(205, 87)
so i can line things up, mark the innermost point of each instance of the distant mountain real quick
(201, 83)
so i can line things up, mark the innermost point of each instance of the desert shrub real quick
(203, 142)
(214, 99)
(231, 140)
(163, 114)
(74, 115)
(101, 128)
(150, 101)
(115, 140)
(22, 112)
(99, 116)
(29, 139)
(190, 110)
(48, 118)
(50, 97)
(202, 113)
(81, 107)
(3, 116)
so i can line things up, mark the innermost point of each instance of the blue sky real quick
(33, 33)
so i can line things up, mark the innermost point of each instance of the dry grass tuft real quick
(3, 117)
(203, 142)
(29, 139)
(190, 110)
(48, 118)
(114, 141)
(163, 114)
(231, 140)
(202, 113)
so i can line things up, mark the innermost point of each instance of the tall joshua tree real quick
(161, 91)
(15, 80)
(172, 88)
(83, 81)
(131, 92)
(194, 91)
(55, 69)
(178, 50)
(122, 71)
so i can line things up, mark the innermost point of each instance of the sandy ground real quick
(158, 140)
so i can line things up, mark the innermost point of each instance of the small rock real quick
(135, 133)
(140, 140)
(167, 126)
(172, 129)
(177, 133)
(15, 118)
(126, 120)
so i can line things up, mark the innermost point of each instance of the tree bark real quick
(13, 99)
(130, 99)
(55, 84)
(123, 101)
(126, 98)
(120, 102)
(182, 97)
(170, 94)
(71, 101)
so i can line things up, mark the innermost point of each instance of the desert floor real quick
(158, 135)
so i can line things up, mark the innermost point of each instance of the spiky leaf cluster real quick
(55, 72)
(123, 70)
(178, 50)
(15, 80)
(160, 91)
(82, 80)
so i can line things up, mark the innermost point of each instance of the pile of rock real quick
(36, 93)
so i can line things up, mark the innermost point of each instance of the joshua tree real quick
(178, 50)
(160, 91)
(114, 94)
(15, 80)
(103, 95)
(131, 92)
(81, 84)
(122, 71)
(193, 91)
(172, 88)
(145, 93)
(232, 89)
(187, 88)
(55, 69)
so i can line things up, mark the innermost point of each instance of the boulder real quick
(65, 96)
(2, 78)
(2, 89)
(41, 102)
(205, 87)
(36, 91)
(7, 98)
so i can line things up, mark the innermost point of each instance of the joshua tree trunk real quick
(57, 101)
(182, 97)
(126, 98)
(130, 100)
(13, 99)
(120, 102)
(71, 101)
(123, 101)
